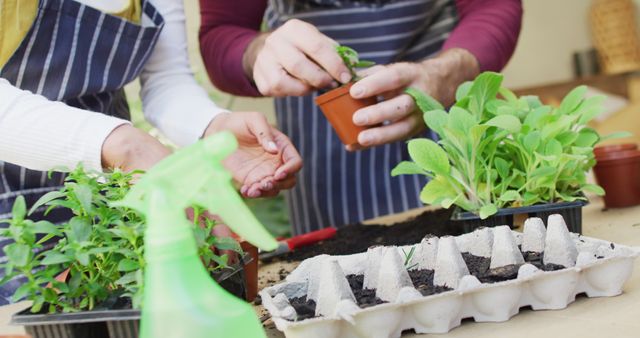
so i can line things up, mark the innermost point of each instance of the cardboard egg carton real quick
(595, 267)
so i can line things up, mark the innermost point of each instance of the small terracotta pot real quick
(614, 148)
(338, 106)
(251, 270)
(619, 174)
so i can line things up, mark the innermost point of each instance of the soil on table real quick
(358, 238)
(364, 297)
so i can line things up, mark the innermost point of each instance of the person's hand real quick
(294, 60)
(128, 148)
(396, 118)
(266, 161)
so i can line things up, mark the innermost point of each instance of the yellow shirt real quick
(17, 16)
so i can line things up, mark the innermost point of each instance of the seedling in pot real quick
(352, 60)
(499, 151)
(338, 106)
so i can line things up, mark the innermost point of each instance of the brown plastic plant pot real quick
(603, 151)
(619, 174)
(338, 106)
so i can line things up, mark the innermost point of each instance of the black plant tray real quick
(570, 211)
(110, 323)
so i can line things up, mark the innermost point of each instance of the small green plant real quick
(352, 60)
(407, 258)
(497, 150)
(101, 246)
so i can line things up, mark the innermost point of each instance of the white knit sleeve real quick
(172, 99)
(42, 135)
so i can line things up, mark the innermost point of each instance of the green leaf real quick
(407, 168)
(532, 141)
(542, 171)
(128, 278)
(436, 120)
(84, 195)
(460, 120)
(587, 137)
(54, 257)
(567, 138)
(510, 195)
(488, 210)
(553, 148)
(227, 243)
(484, 88)
(127, 265)
(502, 167)
(572, 100)
(19, 209)
(593, 188)
(506, 122)
(463, 90)
(424, 101)
(22, 291)
(46, 227)
(80, 228)
(46, 198)
(429, 155)
(616, 135)
(437, 190)
(222, 260)
(18, 254)
(590, 108)
(83, 258)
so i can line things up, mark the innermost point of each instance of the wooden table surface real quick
(585, 318)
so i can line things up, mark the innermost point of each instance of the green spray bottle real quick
(180, 298)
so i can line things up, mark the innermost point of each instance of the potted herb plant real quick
(338, 106)
(617, 170)
(100, 254)
(500, 155)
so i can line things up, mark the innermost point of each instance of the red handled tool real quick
(290, 244)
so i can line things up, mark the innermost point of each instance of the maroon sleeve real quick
(226, 29)
(488, 29)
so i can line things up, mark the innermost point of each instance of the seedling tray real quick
(570, 211)
(568, 264)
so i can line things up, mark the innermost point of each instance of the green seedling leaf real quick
(436, 190)
(18, 254)
(436, 120)
(128, 278)
(84, 195)
(488, 210)
(590, 108)
(82, 258)
(532, 141)
(502, 167)
(553, 148)
(407, 168)
(463, 90)
(19, 210)
(80, 229)
(54, 257)
(572, 100)
(510, 195)
(46, 198)
(484, 88)
(616, 135)
(460, 120)
(567, 138)
(429, 155)
(506, 122)
(227, 243)
(46, 227)
(424, 101)
(587, 137)
(127, 265)
(594, 188)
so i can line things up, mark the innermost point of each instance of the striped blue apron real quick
(336, 187)
(79, 55)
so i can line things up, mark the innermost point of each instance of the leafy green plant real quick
(101, 246)
(498, 150)
(352, 60)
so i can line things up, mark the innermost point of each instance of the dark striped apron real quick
(79, 55)
(336, 187)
